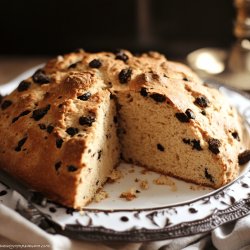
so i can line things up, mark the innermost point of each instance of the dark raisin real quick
(125, 75)
(72, 168)
(160, 147)
(208, 176)
(202, 101)
(86, 120)
(26, 112)
(120, 55)
(95, 64)
(185, 79)
(20, 144)
(112, 96)
(3, 192)
(42, 126)
(84, 97)
(115, 119)
(40, 113)
(190, 114)
(40, 77)
(6, 104)
(15, 119)
(99, 154)
(50, 128)
(144, 92)
(72, 131)
(24, 85)
(59, 143)
(244, 157)
(203, 112)
(185, 117)
(182, 117)
(73, 65)
(58, 165)
(213, 145)
(186, 141)
(196, 144)
(158, 97)
(110, 85)
(236, 135)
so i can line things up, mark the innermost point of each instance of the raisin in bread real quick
(63, 129)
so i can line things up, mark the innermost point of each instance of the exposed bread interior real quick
(63, 130)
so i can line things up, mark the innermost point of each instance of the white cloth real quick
(18, 233)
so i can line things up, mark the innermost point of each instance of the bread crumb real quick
(114, 176)
(164, 180)
(129, 195)
(144, 184)
(100, 195)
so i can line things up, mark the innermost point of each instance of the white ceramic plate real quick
(160, 212)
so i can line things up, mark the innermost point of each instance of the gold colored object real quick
(242, 23)
(230, 67)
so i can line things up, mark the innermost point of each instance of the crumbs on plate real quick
(130, 194)
(114, 176)
(164, 180)
(100, 195)
(144, 184)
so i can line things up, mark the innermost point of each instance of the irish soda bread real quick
(64, 129)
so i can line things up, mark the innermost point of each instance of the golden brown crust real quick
(34, 144)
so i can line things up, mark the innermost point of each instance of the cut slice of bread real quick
(63, 130)
(164, 130)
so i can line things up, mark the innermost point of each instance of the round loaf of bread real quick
(65, 128)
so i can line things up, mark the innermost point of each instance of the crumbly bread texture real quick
(63, 130)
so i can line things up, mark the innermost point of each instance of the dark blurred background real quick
(174, 27)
